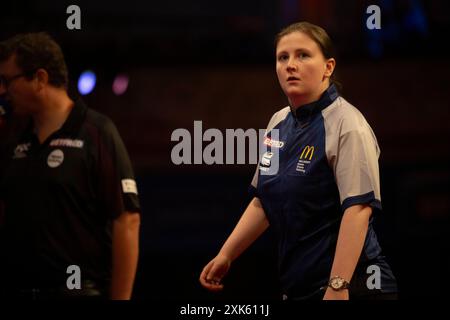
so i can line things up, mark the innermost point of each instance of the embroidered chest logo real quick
(67, 143)
(20, 151)
(55, 158)
(273, 143)
(265, 161)
(305, 159)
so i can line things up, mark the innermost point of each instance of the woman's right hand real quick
(213, 273)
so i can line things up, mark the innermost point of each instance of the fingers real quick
(210, 277)
(212, 286)
(205, 273)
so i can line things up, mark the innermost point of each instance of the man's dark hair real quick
(34, 51)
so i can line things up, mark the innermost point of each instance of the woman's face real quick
(303, 71)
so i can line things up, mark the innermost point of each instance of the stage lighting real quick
(86, 82)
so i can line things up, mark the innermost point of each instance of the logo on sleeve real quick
(129, 186)
(305, 158)
(55, 158)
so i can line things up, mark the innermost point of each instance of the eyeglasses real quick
(6, 82)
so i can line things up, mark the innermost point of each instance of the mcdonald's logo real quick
(307, 151)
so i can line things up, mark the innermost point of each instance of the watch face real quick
(337, 283)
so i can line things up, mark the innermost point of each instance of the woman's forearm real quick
(352, 234)
(251, 225)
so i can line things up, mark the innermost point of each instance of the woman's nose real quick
(291, 65)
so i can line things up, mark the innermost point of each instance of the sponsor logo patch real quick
(265, 161)
(20, 150)
(129, 186)
(67, 143)
(305, 159)
(55, 158)
(273, 143)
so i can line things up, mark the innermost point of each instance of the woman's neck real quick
(301, 100)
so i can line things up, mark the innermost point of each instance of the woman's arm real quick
(352, 234)
(251, 225)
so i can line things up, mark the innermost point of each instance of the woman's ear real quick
(329, 67)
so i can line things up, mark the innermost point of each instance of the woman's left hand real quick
(331, 294)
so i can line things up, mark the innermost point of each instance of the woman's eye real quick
(283, 58)
(303, 55)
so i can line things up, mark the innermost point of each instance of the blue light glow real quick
(86, 82)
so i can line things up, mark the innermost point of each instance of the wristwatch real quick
(337, 283)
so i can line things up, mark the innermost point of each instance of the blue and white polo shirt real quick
(327, 160)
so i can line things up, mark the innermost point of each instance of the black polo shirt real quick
(60, 199)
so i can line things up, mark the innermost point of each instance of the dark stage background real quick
(214, 61)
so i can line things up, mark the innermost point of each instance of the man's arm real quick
(352, 234)
(125, 251)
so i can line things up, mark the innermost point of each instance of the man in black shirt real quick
(70, 200)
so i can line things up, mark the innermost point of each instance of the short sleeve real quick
(117, 185)
(356, 168)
